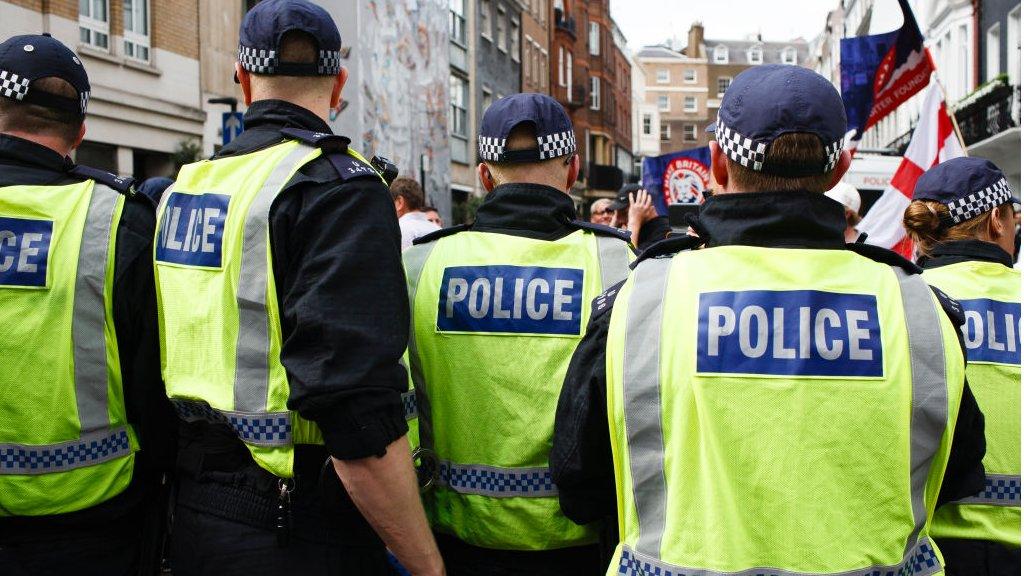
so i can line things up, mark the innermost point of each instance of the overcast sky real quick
(653, 21)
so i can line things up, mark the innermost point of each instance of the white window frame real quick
(789, 55)
(594, 39)
(647, 124)
(595, 93)
(718, 84)
(514, 31)
(992, 57)
(664, 98)
(457, 21)
(460, 107)
(721, 54)
(665, 78)
(501, 29)
(561, 67)
(1013, 46)
(751, 52)
(487, 19)
(486, 98)
(686, 103)
(665, 132)
(88, 23)
(136, 40)
(568, 76)
(689, 132)
(690, 75)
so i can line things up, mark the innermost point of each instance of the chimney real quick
(695, 40)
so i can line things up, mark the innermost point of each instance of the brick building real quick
(536, 76)
(143, 62)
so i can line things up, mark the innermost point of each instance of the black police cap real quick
(259, 46)
(555, 136)
(25, 59)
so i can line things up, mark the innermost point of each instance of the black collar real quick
(263, 123)
(14, 150)
(965, 251)
(531, 210)
(773, 220)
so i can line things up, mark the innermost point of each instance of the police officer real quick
(498, 306)
(84, 426)
(776, 402)
(962, 221)
(283, 321)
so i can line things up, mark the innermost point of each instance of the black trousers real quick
(462, 559)
(111, 550)
(979, 558)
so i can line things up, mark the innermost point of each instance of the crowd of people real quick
(282, 363)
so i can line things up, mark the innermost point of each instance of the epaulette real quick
(601, 229)
(670, 245)
(335, 149)
(438, 234)
(604, 301)
(324, 140)
(123, 184)
(952, 307)
(884, 256)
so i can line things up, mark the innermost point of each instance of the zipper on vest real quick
(283, 520)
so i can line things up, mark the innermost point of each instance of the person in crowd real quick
(86, 434)
(433, 216)
(847, 195)
(962, 222)
(600, 212)
(407, 195)
(795, 406)
(497, 308)
(632, 210)
(283, 323)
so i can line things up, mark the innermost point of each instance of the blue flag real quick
(677, 178)
(882, 71)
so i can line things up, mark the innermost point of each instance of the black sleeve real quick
(138, 337)
(344, 311)
(581, 457)
(654, 231)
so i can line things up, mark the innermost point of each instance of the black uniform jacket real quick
(581, 460)
(965, 251)
(26, 163)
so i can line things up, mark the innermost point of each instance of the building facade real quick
(536, 76)
(676, 86)
(499, 52)
(823, 50)
(462, 117)
(143, 63)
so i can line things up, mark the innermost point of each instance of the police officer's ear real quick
(844, 164)
(81, 136)
(574, 172)
(339, 83)
(486, 178)
(719, 165)
(245, 82)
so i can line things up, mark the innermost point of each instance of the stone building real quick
(676, 85)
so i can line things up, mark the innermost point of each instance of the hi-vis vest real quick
(792, 419)
(220, 325)
(65, 442)
(990, 296)
(496, 319)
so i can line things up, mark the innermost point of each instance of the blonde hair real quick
(925, 223)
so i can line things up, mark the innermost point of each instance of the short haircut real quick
(600, 205)
(296, 47)
(18, 116)
(523, 137)
(410, 191)
(429, 209)
(793, 149)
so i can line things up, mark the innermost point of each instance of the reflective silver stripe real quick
(496, 482)
(89, 316)
(1000, 490)
(928, 381)
(613, 257)
(641, 389)
(409, 404)
(90, 449)
(415, 259)
(252, 370)
(921, 561)
(256, 428)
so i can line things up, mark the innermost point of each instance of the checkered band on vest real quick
(739, 148)
(492, 481)
(921, 561)
(1000, 490)
(409, 404)
(66, 456)
(13, 85)
(557, 145)
(257, 60)
(980, 202)
(260, 429)
(491, 149)
(329, 62)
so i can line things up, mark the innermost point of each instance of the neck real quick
(55, 143)
(314, 103)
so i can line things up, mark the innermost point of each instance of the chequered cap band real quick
(750, 154)
(551, 146)
(329, 62)
(83, 99)
(833, 152)
(256, 60)
(12, 85)
(979, 202)
(491, 149)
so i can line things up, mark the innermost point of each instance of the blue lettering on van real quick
(511, 300)
(992, 331)
(192, 229)
(24, 251)
(792, 333)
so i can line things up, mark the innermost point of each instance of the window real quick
(690, 104)
(457, 21)
(136, 29)
(663, 104)
(647, 124)
(457, 124)
(663, 76)
(514, 49)
(755, 55)
(723, 84)
(594, 39)
(502, 33)
(992, 52)
(690, 76)
(666, 132)
(486, 16)
(595, 93)
(789, 55)
(690, 133)
(1013, 46)
(94, 23)
(561, 66)
(964, 63)
(721, 54)
(542, 60)
(568, 76)
(487, 99)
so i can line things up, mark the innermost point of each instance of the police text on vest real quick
(511, 300)
(192, 229)
(794, 332)
(992, 331)
(24, 251)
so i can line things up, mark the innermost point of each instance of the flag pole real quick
(945, 100)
